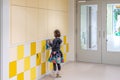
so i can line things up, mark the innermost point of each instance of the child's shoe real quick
(53, 74)
(58, 76)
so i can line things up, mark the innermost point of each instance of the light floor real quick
(88, 71)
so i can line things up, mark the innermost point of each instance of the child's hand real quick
(54, 52)
(48, 41)
(51, 40)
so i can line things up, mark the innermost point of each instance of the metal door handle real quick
(103, 34)
(99, 34)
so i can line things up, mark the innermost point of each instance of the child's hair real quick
(57, 33)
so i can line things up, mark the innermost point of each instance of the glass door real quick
(98, 27)
(111, 32)
(89, 38)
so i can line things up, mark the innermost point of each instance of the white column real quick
(4, 39)
(0, 41)
(72, 24)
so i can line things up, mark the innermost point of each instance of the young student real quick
(56, 56)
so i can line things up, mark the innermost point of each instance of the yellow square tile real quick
(20, 76)
(47, 54)
(20, 50)
(38, 59)
(65, 57)
(33, 73)
(43, 42)
(64, 39)
(51, 66)
(12, 69)
(26, 63)
(62, 48)
(43, 45)
(43, 49)
(33, 48)
(67, 47)
(43, 68)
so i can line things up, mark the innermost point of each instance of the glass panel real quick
(89, 27)
(113, 27)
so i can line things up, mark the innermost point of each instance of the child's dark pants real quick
(58, 66)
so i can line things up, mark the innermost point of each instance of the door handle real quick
(106, 40)
(99, 34)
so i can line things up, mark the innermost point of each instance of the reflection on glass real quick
(113, 27)
(89, 27)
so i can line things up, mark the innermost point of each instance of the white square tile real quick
(64, 48)
(27, 75)
(47, 67)
(43, 57)
(13, 78)
(27, 50)
(20, 66)
(32, 61)
(12, 54)
(38, 72)
(38, 47)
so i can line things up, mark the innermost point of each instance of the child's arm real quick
(53, 43)
(50, 42)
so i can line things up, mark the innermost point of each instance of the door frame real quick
(97, 53)
(106, 57)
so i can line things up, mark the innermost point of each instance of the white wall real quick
(72, 52)
(4, 36)
(4, 23)
(34, 23)
(0, 39)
